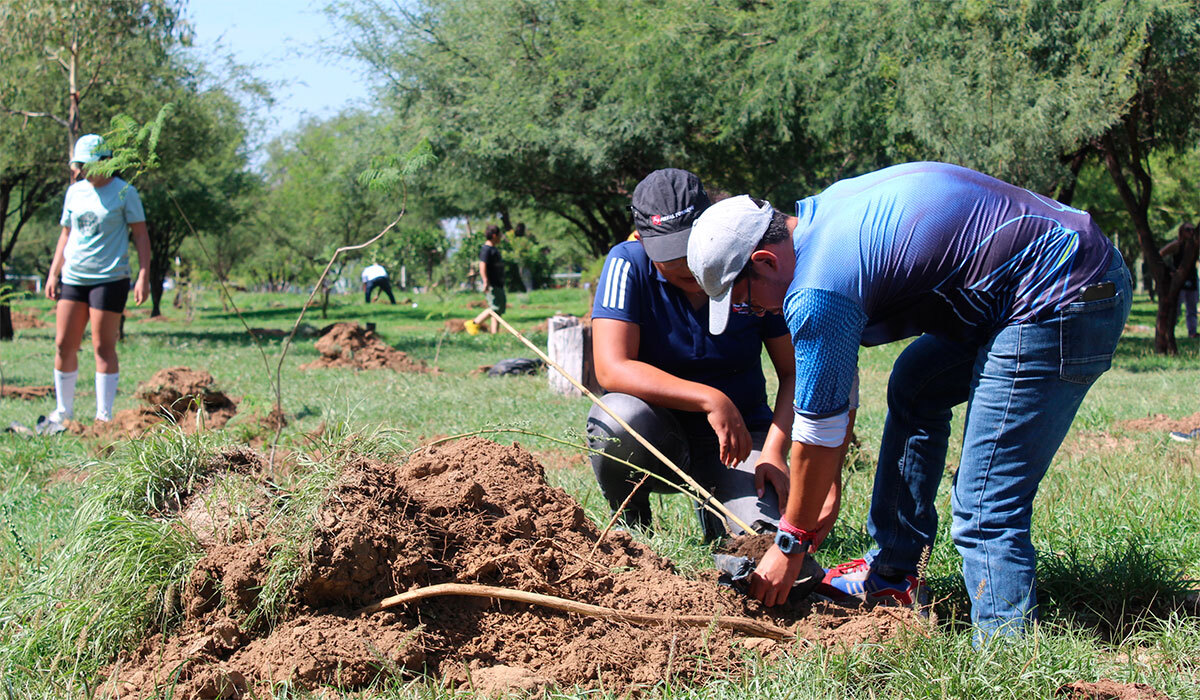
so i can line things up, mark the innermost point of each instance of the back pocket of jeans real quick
(1089, 331)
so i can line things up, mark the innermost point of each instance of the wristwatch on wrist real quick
(789, 543)
(790, 538)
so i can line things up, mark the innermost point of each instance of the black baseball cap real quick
(665, 204)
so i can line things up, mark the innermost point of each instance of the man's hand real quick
(141, 289)
(772, 581)
(773, 471)
(726, 421)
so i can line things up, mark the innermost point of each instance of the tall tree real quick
(1031, 91)
(202, 179)
(1161, 115)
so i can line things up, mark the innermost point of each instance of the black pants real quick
(381, 283)
(693, 448)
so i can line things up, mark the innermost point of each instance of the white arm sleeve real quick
(825, 432)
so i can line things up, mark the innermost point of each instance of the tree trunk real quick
(73, 119)
(6, 327)
(1137, 203)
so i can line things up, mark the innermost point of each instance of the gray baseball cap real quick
(720, 246)
(665, 203)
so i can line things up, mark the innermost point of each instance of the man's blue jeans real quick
(1023, 387)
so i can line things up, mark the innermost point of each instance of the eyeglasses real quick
(747, 308)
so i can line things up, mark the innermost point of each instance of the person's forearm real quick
(657, 387)
(779, 434)
(56, 263)
(141, 240)
(813, 470)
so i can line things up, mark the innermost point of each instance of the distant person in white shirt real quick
(375, 277)
(89, 278)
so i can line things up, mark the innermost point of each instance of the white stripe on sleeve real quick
(624, 285)
(608, 281)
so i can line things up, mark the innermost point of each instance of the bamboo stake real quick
(628, 428)
(744, 625)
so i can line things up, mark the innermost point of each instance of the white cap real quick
(90, 148)
(720, 246)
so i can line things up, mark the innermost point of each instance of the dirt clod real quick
(1105, 689)
(183, 395)
(469, 512)
(25, 392)
(351, 345)
(22, 320)
(1161, 423)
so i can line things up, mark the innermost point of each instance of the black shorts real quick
(108, 296)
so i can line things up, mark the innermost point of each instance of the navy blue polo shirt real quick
(675, 337)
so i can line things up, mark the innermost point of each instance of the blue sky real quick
(282, 41)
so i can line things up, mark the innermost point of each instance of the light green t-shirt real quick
(97, 249)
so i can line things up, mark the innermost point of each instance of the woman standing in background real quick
(89, 277)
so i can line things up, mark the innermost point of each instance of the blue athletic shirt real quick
(675, 337)
(925, 248)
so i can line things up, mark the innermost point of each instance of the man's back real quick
(932, 247)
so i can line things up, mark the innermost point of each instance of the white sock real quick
(106, 394)
(64, 392)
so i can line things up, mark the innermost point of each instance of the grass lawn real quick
(1117, 520)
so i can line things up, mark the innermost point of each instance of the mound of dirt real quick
(454, 325)
(351, 345)
(183, 395)
(470, 512)
(1161, 423)
(22, 320)
(1105, 689)
(25, 392)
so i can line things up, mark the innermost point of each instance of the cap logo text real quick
(658, 219)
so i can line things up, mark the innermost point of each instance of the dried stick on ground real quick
(744, 625)
(708, 497)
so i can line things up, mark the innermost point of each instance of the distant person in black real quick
(491, 270)
(1191, 290)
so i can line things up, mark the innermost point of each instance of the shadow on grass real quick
(1110, 594)
(1113, 591)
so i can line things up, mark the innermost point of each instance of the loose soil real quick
(25, 392)
(351, 345)
(477, 512)
(1161, 423)
(22, 320)
(183, 395)
(1105, 689)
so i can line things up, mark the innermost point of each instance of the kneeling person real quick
(700, 398)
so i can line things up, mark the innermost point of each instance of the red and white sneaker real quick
(857, 580)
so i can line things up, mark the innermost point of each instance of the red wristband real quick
(798, 533)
